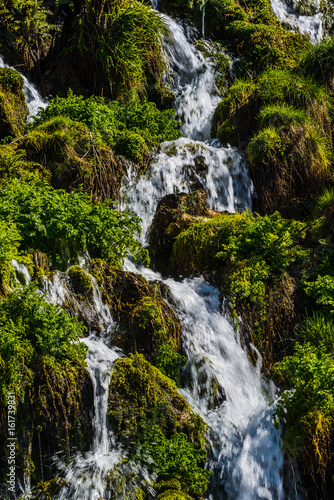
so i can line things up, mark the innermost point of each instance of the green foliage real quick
(234, 114)
(9, 243)
(309, 407)
(318, 330)
(34, 332)
(56, 222)
(149, 311)
(175, 458)
(131, 129)
(322, 291)
(234, 238)
(25, 24)
(140, 394)
(324, 211)
(116, 42)
(318, 61)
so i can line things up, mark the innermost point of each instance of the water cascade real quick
(185, 165)
(246, 452)
(196, 95)
(310, 25)
(87, 473)
(33, 98)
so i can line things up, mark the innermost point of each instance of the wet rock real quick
(174, 214)
(146, 320)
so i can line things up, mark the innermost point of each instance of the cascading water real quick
(33, 98)
(86, 474)
(246, 452)
(185, 165)
(222, 385)
(196, 95)
(310, 25)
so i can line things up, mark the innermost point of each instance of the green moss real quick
(82, 281)
(13, 107)
(148, 324)
(132, 145)
(173, 495)
(139, 394)
(233, 119)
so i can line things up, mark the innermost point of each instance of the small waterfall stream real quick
(310, 25)
(246, 452)
(33, 98)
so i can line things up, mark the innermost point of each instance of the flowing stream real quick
(33, 98)
(246, 453)
(310, 25)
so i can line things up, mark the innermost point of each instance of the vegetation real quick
(60, 177)
(145, 407)
(13, 108)
(67, 224)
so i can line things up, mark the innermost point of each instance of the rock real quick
(175, 213)
(13, 107)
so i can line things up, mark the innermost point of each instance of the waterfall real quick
(86, 474)
(222, 385)
(185, 165)
(307, 25)
(196, 95)
(33, 98)
(246, 454)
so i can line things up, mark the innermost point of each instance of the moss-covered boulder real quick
(81, 280)
(148, 324)
(67, 153)
(174, 213)
(140, 394)
(13, 107)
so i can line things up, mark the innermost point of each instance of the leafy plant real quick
(175, 458)
(65, 224)
(34, 332)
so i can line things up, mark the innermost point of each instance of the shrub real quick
(65, 224)
(175, 458)
(34, 332)
(309, 407)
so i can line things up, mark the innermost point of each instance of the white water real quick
(246, 451)
(21, 273)
(33, 98)
(193, 77)
(308, 25)
(185, 165)
(87, 473)
(246, 454)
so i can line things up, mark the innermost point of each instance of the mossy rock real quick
(132, 145)
(13, 107)
(80, 279)
(173, 495)
(174, 213)
(234, 118)
(147, 322)
(66, 150)
(139, 394)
